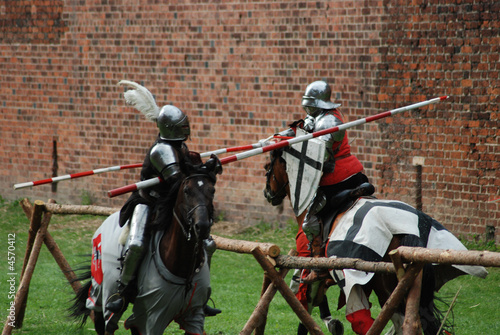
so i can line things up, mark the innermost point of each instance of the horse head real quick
(194, 206)
(276, 178)
(181, 246)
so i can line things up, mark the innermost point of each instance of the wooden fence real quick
(270, 259)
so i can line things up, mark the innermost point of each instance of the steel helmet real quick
(316, 97)
(173, 124)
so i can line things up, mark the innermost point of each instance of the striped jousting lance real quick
(234, 149)
(129, 166)
(283, 143)
(75, 175)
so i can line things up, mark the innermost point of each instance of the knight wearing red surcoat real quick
(341, 171)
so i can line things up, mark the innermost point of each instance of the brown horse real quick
(434, 276)
(173, 279)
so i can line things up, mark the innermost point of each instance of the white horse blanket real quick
(366, 230)
(162, 296)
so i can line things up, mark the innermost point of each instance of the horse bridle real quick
(187, 231)
(189, 228)
(281, 193)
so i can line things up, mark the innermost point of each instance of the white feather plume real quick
(141, 99)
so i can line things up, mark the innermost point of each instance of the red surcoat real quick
(346, 164)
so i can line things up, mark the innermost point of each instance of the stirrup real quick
(116, 303)
(211, 311)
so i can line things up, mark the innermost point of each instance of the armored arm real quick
(332, 140)
(165, 159)
(307, 124)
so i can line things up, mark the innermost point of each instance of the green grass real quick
(236, 283)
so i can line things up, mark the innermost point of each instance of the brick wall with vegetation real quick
(238, 69)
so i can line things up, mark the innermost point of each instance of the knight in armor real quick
(164, 159)
(342, 171)
(145, 208)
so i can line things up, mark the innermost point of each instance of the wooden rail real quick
(406, 263)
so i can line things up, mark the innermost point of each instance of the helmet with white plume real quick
(171, 121)
(173, 124)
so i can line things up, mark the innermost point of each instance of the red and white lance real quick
(234, 149)
(75, 175)
(129, 166)
(284, 143)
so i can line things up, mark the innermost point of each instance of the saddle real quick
(341, 202)
(336, 205)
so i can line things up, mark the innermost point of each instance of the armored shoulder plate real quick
(325, 121)
(165, 159)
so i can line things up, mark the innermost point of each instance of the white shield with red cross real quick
(304, 164)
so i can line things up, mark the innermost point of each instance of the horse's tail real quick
(78, 310)
(431, 316)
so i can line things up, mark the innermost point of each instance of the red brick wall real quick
(443, 47)
(239, 70)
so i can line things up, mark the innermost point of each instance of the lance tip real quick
(444, 97)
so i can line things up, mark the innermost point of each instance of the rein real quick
(187, 226)
(187, 232)
(189, 219)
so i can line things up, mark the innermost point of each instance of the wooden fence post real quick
(412, 324)
(258, 318)
(287, 293)
(37, 217)
(267, 284)
(35, 222)
(22, 291)
(395, 299)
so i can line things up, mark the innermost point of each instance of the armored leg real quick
(311, 225)
(134, 252)
(210, 248)
(135, 246)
